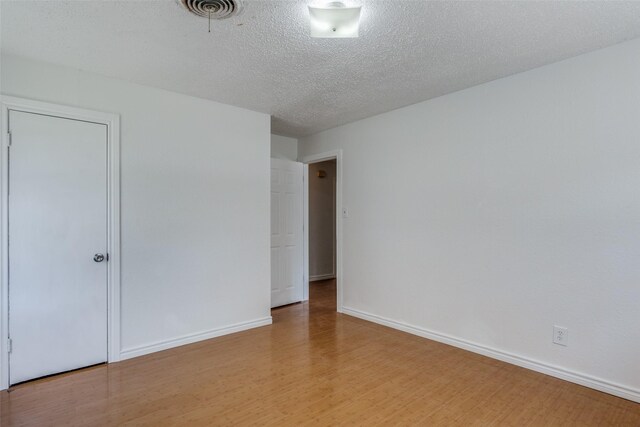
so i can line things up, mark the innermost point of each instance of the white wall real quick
(194, 200)
(283, 147)
(322, 217)
(489, 215)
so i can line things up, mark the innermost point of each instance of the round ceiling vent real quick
(214, 9)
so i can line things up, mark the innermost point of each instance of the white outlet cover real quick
(560, 335)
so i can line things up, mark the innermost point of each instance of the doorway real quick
(322, 229)
(60, 240)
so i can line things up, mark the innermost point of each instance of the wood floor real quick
(312, 366)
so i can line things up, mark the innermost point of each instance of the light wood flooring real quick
(311, 367)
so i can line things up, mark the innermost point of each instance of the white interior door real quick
(57, 223)
(286, 232)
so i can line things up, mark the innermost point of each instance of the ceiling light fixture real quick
(334, 20)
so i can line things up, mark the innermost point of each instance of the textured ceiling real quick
(264, 60)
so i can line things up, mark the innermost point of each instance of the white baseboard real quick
(322, 277)
(191, 338)
(534, 365)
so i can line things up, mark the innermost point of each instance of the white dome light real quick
(334, 20)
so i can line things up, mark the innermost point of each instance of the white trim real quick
(305, 232)
(191, 338)
(112, 122)
(334, 190)
(525, 362)
(322, 277)
(320, 157)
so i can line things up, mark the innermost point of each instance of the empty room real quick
(317, 212)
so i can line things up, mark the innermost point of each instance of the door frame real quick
(112, 122)
(316, 158)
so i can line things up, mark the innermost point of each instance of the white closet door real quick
(286, 232)
(57, 225)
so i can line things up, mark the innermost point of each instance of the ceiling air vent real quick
(213, 9)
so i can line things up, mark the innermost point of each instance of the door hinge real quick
(9, 139)
(9, 345)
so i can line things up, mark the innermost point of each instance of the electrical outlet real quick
(560, 335)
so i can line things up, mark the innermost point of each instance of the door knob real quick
(98, 257)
